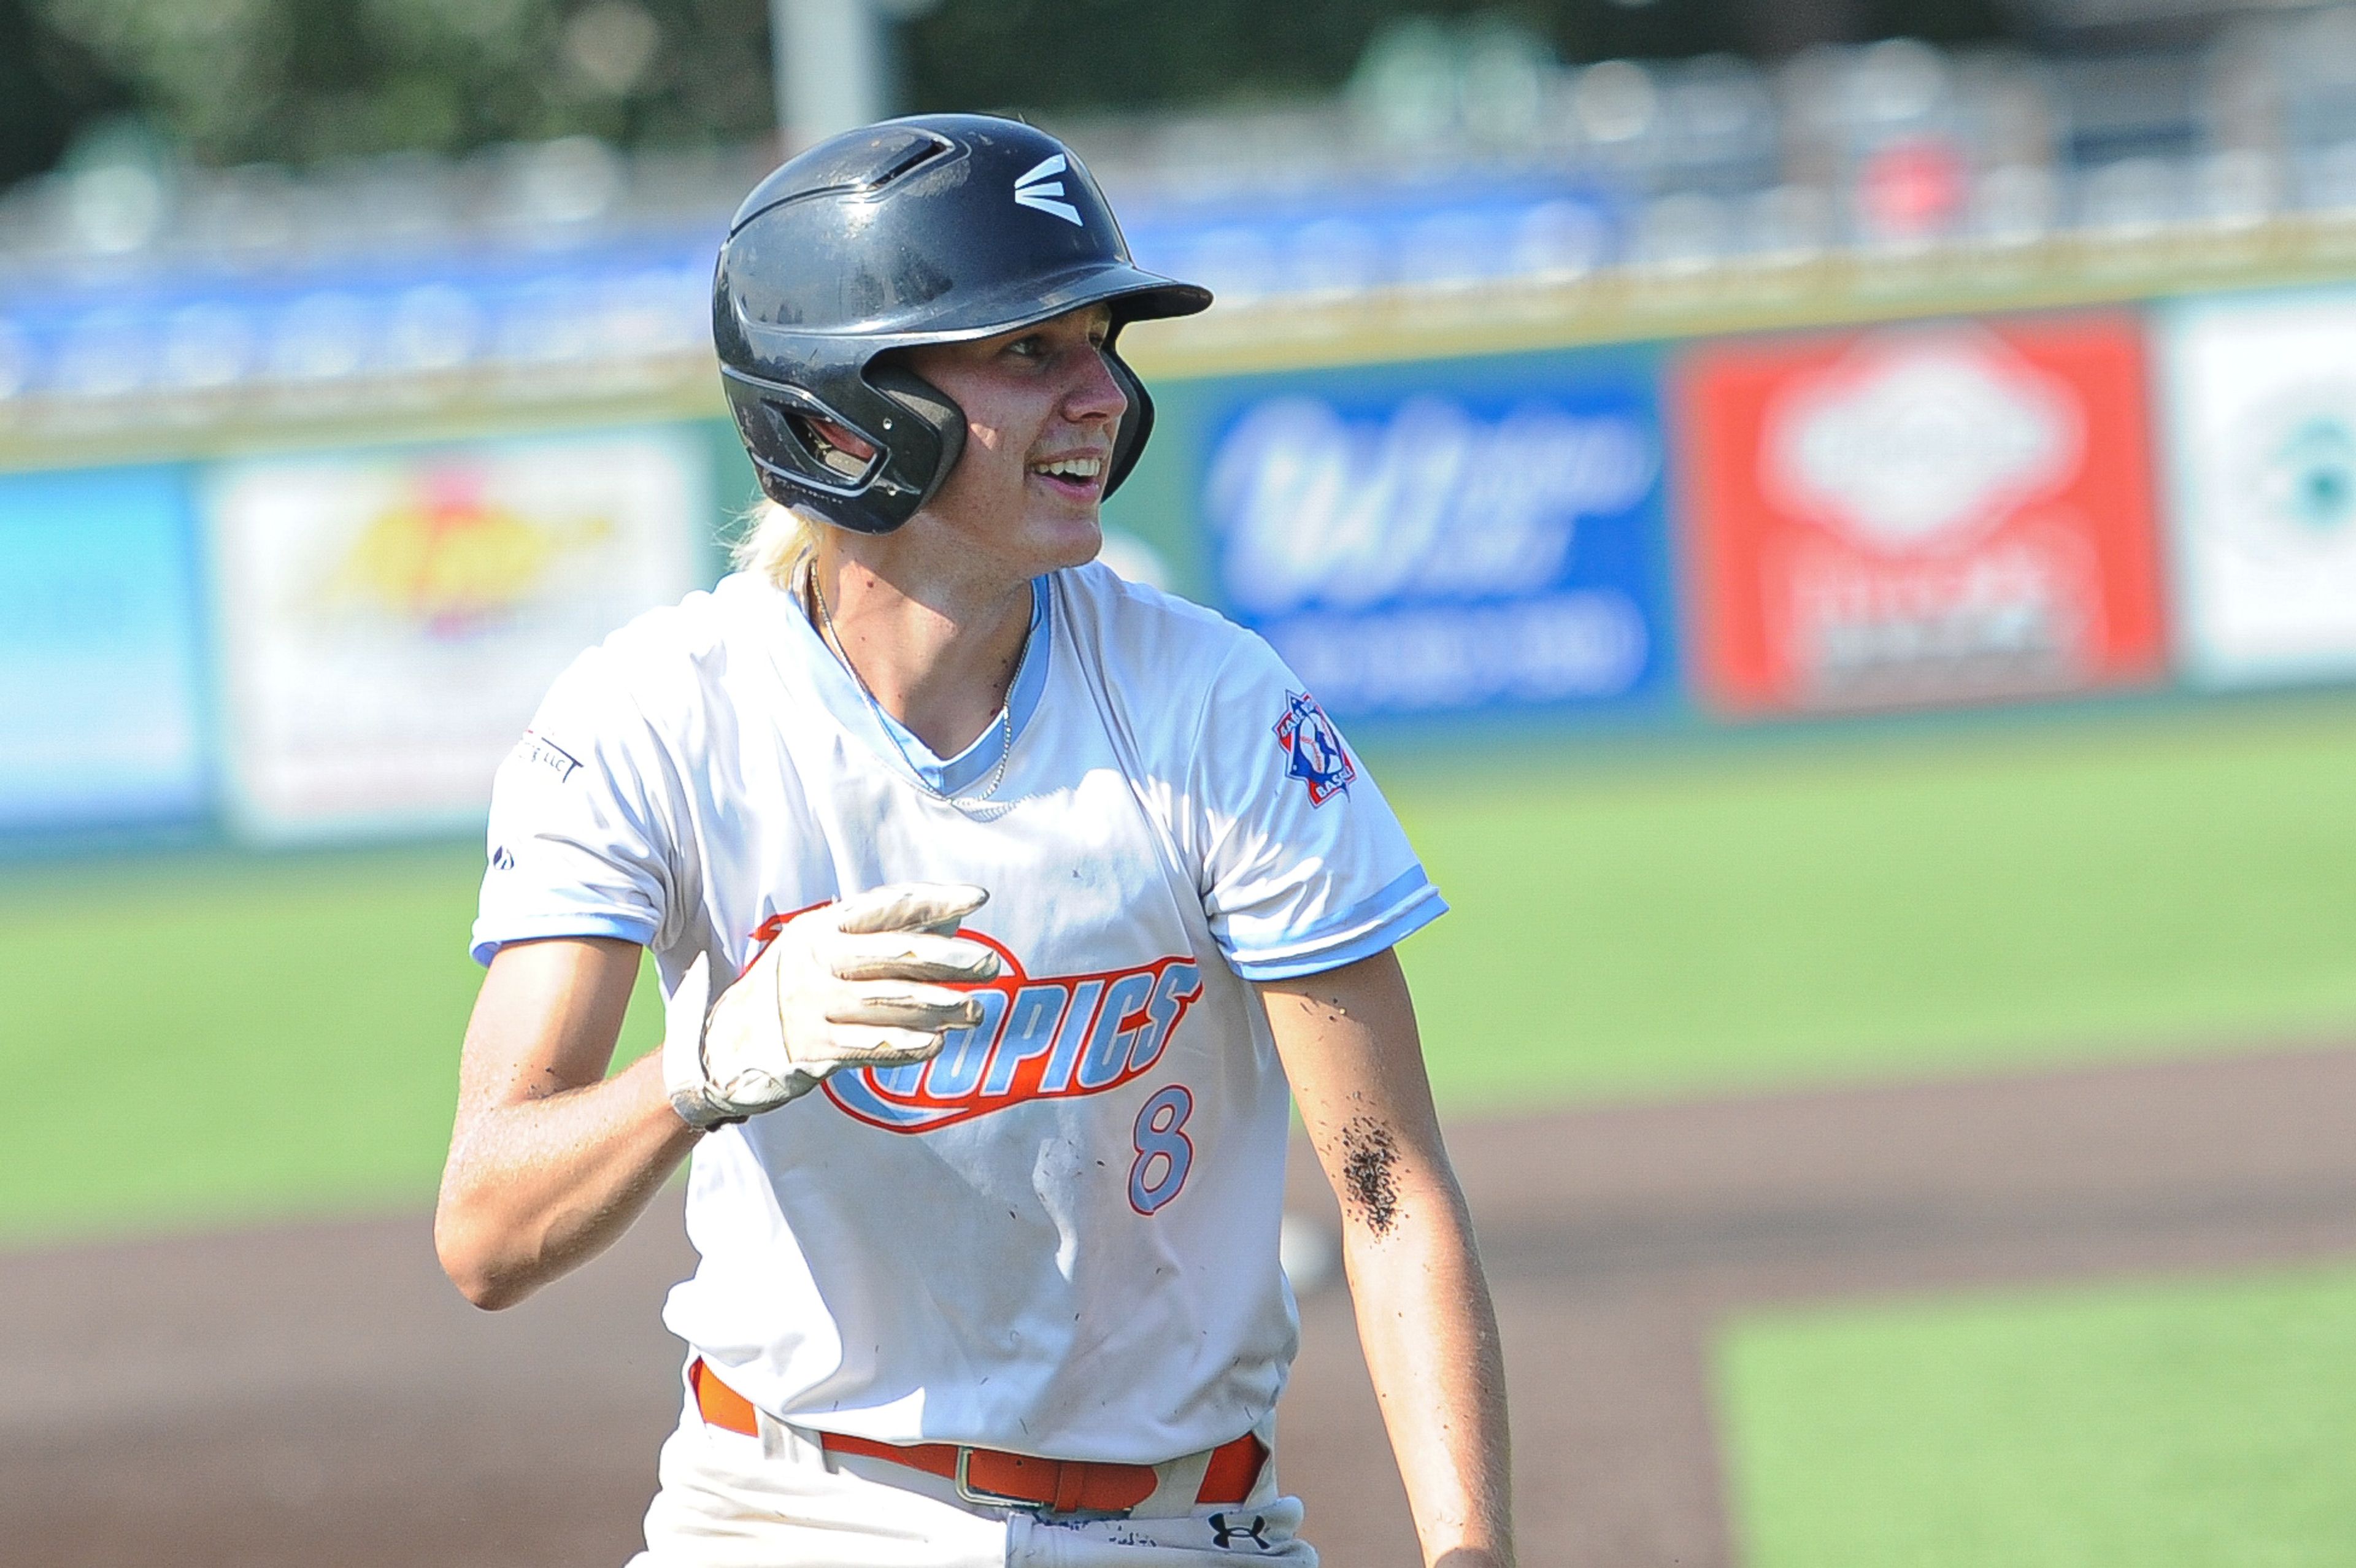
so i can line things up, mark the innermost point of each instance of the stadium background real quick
(1844, 555)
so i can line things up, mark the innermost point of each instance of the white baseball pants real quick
(780, 1500)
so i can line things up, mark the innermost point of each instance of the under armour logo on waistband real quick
(1225, 1536)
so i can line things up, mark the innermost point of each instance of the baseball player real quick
(997, 903)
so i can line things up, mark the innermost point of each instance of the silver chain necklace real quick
(1005, 718)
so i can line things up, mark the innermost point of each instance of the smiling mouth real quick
(1080, 475)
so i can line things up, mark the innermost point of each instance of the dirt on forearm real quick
(1370, 1174)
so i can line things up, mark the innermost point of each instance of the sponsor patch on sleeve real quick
(1313, 749)
(546, 753)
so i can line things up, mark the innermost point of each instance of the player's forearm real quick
(537, 1188)
(1429, 1335)
(1349, 1043)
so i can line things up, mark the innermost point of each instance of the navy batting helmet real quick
(935, 228)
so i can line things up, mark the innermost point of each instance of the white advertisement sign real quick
(389, 619)
(2261, 393)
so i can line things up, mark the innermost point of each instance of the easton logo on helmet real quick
(1044, 1037)
(1038, 188)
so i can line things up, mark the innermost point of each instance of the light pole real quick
(832, 60)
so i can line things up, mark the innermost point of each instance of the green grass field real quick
(275, 1034)
(1890, 905)
(2185, 1427)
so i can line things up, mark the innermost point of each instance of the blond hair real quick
(774, 542)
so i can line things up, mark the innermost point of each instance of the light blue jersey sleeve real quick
(1304, 867)
(581, 821)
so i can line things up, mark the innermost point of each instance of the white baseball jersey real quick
(1059, 1235)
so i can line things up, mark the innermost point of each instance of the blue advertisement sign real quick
(1453, 537)
(100, 712)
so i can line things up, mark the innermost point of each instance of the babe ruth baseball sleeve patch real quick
(1312, 748)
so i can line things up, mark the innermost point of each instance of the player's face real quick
(1041, 408)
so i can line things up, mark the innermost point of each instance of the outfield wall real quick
(315, 630)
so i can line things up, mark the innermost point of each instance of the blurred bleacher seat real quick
(137, 294)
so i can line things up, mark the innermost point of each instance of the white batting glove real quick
(840, 985)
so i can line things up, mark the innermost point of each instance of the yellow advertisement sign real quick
(389, 619)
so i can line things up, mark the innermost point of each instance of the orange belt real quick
(990, 1476)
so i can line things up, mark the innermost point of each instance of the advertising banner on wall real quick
(1921, 513)
(2261, 394)
(1448, 537)
(100, 708)
(392, 618)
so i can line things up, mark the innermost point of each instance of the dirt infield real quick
(317, 1395)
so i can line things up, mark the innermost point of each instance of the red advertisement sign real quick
(1929, 512)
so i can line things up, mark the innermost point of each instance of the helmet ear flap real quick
(918, 434)
(774, 418)
(934, 412)
(1137, 424)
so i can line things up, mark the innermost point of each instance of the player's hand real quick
(848, 984)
